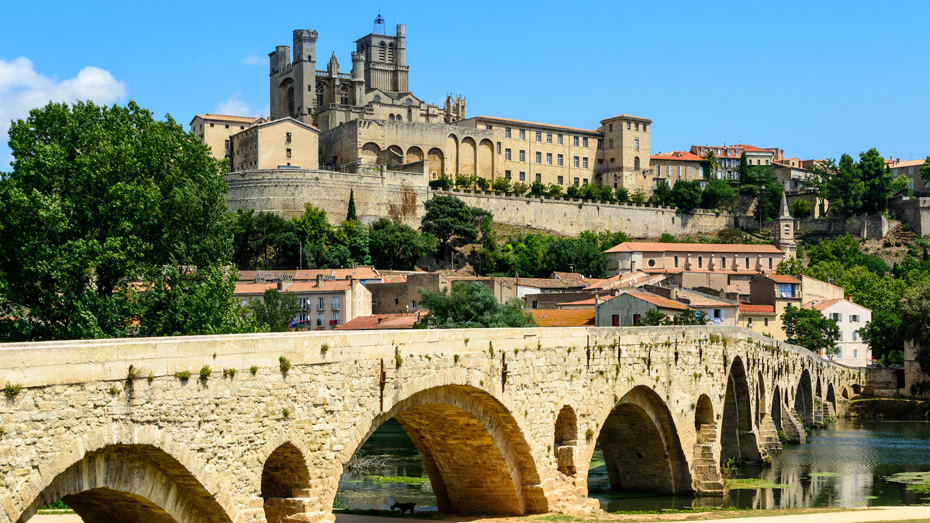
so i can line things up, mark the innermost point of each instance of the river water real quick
(847, 464)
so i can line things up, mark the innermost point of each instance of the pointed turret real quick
(333, 66)
(783, 211)
(784, 229)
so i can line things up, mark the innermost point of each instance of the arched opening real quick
(845, 393)
(472, 452)
(736, 437)
(414, 154)
(135, 483)
(831, 399)
(485, 162)
(761, 406)
(703, 413)
(381, 52)
(636, 163)
(467, 156)
(344, 95)
(642, 452)
(776, 407)
(436, 162)
(392, 156)
(371, 153)
(803, 400)
(566, 440)
(320, 95)
(452, 150)
(391, 117)
(284, 475)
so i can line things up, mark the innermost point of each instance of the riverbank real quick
(890, 409)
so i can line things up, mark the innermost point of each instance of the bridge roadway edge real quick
(210, 441)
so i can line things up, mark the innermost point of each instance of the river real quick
(851, 463)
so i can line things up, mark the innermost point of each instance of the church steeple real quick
(784, 229)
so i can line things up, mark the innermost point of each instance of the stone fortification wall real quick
(378, 193)
(863, 225)
(913, 211)
(572, 217)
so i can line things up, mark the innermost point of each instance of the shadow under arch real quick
(737, 439)
(703, 413)
(473, 450)
(776, 407)
(761, 405)
(134, 483)
(803, 400)
(284, 474)
(831, 396)
(642, 450)
(565, 439)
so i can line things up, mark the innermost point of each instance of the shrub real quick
(184, 375)
(11, 390)
(113, 390)
(589, 434)
(286, 413)
(253, 369)
(397, 358)
(229, 372)
(284, 364)
(324, 348)
(205, 372)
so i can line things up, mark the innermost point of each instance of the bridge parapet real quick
(506, 420)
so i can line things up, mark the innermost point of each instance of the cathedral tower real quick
(784, 230)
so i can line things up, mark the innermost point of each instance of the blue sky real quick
(815, 78)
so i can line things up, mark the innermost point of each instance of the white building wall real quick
(853, 351)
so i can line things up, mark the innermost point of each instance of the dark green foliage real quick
(801, 209)
(874, 264)
(914, 309)
(883, 334)
(667, 238)
(538, 189)
(622, 194)
(925, 171)
(661, 194)
(811, 329)
(501, 185)
(100, 198)
(447, 216)
(843, 249)
(689, 317)
(350, 214)
(443, 182)
(686, 196)
(264, 240)
(325, 247)
(313, 226)
(764, 184)
(731, 236)
(471, 305)
(718, 194)
(743, 168)
(398, 246)
(583, 255)
(276, 310)
(877, 179)
(653, 317)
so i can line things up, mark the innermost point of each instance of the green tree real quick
(638, 197)
(686, 195)
(585, 256)
(743, 168)
(661, 194)
(622, 194)
(264, 240)
(731, 236)
(398, 246)
(653, 317)
(925, 172)
(811, 329)
(354, 237)
(471, 305)
(350, 214)
(447, 216)
(667, 238)
(883, 334)
(276, 310)
(914, 311)
(764, 184)
(688, 317)
(313, 226)
(718, 195)
(843, 249)
(843, 185)
(501, 185)
(103, 202)
(877, 179)
(711, 164)
(801, 209)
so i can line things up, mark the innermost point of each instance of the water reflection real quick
(842, 466)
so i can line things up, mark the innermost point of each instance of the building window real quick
(610, 127)
(320, 318)
(506, 153)
(600, 143)
(559, 161)
(538, 157)
(413, 304)
(855, 335)
(747, 263)
(507, 174)
(575, 162)
(585, 162)
(488, 127)
(561, 181)
(335, 303)
(628, 126)
(636, 143)
(548, 158)
(288, 137)
(853, 318)
(836, 316)
(584, 142)
(522, 134)
(227, 145)
(522, 176)
(700, 262)
(396, 301)
(559, 139)
(610, 143)
(770, 262)
(636, 127)
(645, 127)
(538, 178)
(535, 304)
(636, 318)
(335, 319)
(611, 164)
(766, 322)
(538, 136)
(723, 262)
(288, 153)
(675, 261)
(344, 95)
(584, 181)
(576, 182)
(522, 156)
(575, 141)
(548, 137)
(690, 169)
(499, 148)
(391, 117)
(636, 163)
(668, 171)
(679, 171)
(506, 132)
(320, 304)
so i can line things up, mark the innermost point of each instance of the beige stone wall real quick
(630, 138)
(216, 133)
(197, 449)
(269, 145)
(671, 171)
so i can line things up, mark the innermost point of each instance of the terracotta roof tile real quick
(746, 308)
(387, 321)
(677, 155)
(781, 278)
(694, 247)
(658, 301)
(564, 317)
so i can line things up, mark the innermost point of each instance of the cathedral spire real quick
(783, 212)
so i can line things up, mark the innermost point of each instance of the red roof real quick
(745, 308)
(564, 317)
(658, 301)
(380, 321)
(725, 248)
(752, 149)
(781, 278)
(677, 155)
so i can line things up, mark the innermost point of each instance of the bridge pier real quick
(260, 443)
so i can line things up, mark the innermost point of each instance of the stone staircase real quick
(704, 470)
(768, 435)
(792, 425)
(818, 413)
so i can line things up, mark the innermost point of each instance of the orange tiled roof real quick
(781, 278)
(820, 305)
(564, 317)
(659, 301)
(746, 308)
(534, 124)
(752, 149)
(694, 247)
(908, 163)
(380, 321)
(677, 155)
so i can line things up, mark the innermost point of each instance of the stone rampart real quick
(912, 211)
(505, 420)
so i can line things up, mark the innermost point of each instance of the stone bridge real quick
(505, 420)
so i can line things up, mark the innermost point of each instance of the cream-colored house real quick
(671, 168)
(911, 168)
(693, 257)
(770, 295)
(278, 144)
(849, 317)
(216, 130)
(326, 304)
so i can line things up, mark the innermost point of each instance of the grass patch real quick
(755, 483)
(398, 479)
(922, 488)
(909, 478)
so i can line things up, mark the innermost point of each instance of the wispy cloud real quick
(234, 107)
(22, 88)
(253, 59)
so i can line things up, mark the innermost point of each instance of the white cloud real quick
(253, 59)
(22, 88)
(234, 107)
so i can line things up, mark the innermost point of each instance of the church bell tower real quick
(784, 230)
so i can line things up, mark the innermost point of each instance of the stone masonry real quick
(505, 420)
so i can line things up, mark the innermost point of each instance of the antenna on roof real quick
(379, 24)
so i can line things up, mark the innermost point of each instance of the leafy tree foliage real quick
(471, 305)
(925, 171)
(877, 180)
(105, 202)
(583, 255)
(447, 216)
(351, 216)
(398, 246)
(810, 328)
(801, 209)
(764, 184)
(264, 240)
(652, 318)
(731, 235)
(915, 313)
(883, 334)
(718, 195)
(313, 226)
(688, 317)
(276, 310)
(743, 168)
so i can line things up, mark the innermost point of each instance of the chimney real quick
(673, 294)
(280, 285)
(319, 280)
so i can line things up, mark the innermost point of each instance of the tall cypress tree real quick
(743, 168)
(350, 216)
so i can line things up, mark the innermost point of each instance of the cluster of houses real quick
(731, 284)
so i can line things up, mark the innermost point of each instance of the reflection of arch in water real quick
(736, 436)
(465, 436)
(642, 451)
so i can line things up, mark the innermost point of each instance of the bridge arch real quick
(803, 399)
(776, 407)
(831, 397)
(477, 457)
(284, 475)
(736, 437)
(565, 435)
(761, 405)
(642, 450)
(703, 412)
(845, 393)
(130, 482)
